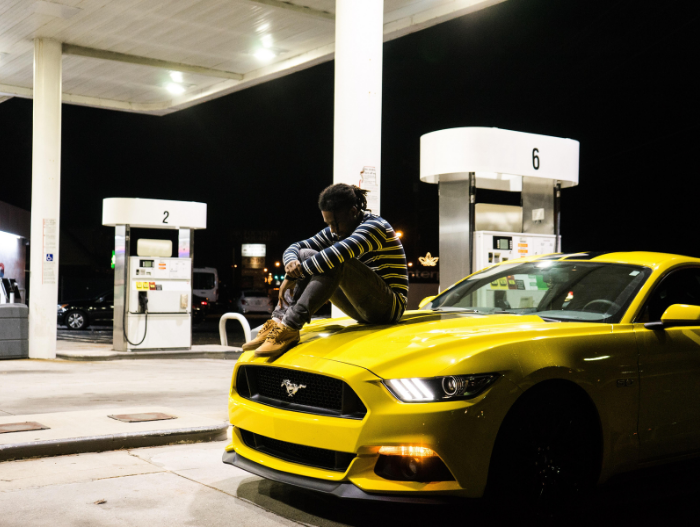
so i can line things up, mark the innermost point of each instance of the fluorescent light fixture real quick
(176, 76)
(263, 27)
(266, 41)
(8, 237)
(175, 88)
(264, 54)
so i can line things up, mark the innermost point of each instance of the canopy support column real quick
(46, 199)
(357, 148)
(358, 95)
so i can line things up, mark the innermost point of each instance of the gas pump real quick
(476, 235)
(153, 290)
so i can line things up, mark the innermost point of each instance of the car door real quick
(669, 365)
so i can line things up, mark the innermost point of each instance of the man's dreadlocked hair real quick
(342, 197)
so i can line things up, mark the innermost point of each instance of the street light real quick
(277, 264)
(399, 234)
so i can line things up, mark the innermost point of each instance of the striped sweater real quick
(374, 243)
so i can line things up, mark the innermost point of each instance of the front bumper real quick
(334, 488)
(61, 318)
(461, 432)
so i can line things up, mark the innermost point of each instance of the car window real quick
(679, 287)
(581, 291)
(254, 294)
(204, 281)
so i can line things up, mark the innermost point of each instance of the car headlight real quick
(62, 307)
(451, 387)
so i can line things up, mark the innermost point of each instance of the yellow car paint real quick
(600, 358)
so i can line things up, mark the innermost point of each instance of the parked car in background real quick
(206, 284)
(254, 301)
(200, 308)
(79, 314)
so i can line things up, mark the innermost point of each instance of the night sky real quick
(618, 76)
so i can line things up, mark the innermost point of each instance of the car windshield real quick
(563, 291)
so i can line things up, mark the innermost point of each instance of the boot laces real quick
(275, 333)
(268, 326)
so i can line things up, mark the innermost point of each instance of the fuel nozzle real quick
(143, 301)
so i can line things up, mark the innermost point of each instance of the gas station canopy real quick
(160, 56)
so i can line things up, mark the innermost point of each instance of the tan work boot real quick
(260, 337)
(279, 340)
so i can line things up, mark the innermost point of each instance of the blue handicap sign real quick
(49, 257)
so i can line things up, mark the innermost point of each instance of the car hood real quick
(427, 343)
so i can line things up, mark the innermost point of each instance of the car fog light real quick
(409, 451)
(411, 463)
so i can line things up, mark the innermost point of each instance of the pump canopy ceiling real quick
(160, 56)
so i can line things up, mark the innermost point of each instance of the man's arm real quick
(369, 236)
(291, 256)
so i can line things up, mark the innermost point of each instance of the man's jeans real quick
(353, 287)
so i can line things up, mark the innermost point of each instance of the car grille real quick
(322, 395)
(304, 455)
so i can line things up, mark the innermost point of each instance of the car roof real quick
(647, 259)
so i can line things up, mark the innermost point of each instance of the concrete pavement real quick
(98, 430)
(197, 386)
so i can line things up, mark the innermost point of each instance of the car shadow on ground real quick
(657, 496)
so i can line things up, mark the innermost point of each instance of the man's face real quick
(342, 223)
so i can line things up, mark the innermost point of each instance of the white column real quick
(357, 151)
(357, 148)
(46, 201)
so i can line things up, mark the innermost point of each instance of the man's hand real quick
(294, 269)
(286, 284)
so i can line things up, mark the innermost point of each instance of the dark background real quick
(618, 76)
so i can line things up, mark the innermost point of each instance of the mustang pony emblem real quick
(291, 387)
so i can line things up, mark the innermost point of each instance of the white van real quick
(206, 283)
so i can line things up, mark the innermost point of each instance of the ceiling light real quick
(175, 88)
(176, 76)
(264, 27)
(266, 41)
(264, 54)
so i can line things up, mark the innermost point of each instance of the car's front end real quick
(337, 427)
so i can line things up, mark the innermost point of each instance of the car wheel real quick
(76, 320)
(548, 450)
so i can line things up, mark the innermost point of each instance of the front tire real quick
(548, 451)
(76, 320)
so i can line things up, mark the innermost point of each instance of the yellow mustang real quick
(538, 376)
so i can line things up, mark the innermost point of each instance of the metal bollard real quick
(222, 326)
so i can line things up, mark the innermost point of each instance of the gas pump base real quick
(14, 331)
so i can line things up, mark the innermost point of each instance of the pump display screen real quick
(146, 263)
(504, 243)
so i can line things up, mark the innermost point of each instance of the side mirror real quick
(677, 315)
(425, 301)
